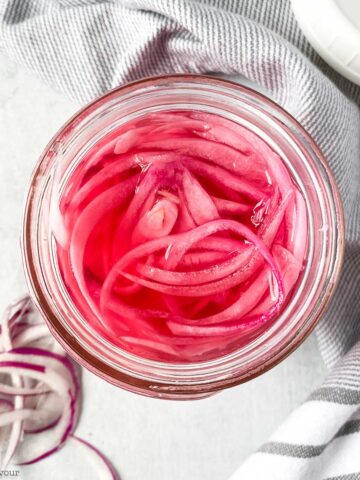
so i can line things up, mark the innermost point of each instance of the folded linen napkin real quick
(85, 47)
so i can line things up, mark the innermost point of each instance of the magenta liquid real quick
(182, 236)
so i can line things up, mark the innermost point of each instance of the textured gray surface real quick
(145, 438)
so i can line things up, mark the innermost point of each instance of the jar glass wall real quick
(285, 137)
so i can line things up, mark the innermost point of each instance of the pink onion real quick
(173, 223)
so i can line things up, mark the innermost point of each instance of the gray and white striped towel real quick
(85, 47)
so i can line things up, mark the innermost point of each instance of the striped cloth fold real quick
(321, 438)
(85, 47)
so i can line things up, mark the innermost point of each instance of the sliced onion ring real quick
(33, 376)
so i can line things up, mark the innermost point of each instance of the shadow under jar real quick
(182, 234)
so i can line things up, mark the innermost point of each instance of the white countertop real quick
(145, 438)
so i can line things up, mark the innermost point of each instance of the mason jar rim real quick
(167, 380)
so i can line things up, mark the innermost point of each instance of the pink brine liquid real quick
(181, 237)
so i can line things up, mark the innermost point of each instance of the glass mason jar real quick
(313, 291)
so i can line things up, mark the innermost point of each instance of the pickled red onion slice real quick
(178, 227)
